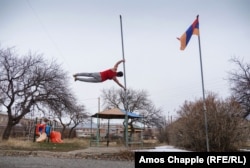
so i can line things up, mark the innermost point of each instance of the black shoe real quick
(74, 76)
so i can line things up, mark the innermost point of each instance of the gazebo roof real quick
(115, 113)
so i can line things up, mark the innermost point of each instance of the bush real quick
(227, 130)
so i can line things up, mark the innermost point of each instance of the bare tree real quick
(163, 128)
(135, 101)
(240, 84)
(70, 116)
(79, 116)
(63, 114)
(28, 82)
(226, 129)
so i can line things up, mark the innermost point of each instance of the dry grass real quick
(67, 145)
(125, 155)
(15, 143)
(246, 144)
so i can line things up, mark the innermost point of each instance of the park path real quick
(92, 157)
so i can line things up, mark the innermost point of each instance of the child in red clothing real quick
(97, 77)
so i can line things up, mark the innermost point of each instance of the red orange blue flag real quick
(193, 29)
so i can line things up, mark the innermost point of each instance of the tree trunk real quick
(70, 132)
(131, 131)
(62, 132)
(7, 131)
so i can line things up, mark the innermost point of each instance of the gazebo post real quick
(97, 132)
(108, 134)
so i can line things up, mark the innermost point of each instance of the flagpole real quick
(125, 85)
(203, 92)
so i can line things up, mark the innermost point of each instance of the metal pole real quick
(98, 123)
(203, 92)
(90, 142)
(125, 98)
(34, 137)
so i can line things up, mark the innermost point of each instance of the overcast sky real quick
(85, 36)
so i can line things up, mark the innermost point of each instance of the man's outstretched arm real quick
(117, 64)
(116, 81)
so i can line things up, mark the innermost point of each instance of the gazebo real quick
(114, 113)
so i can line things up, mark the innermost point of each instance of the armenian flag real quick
(193, 29)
